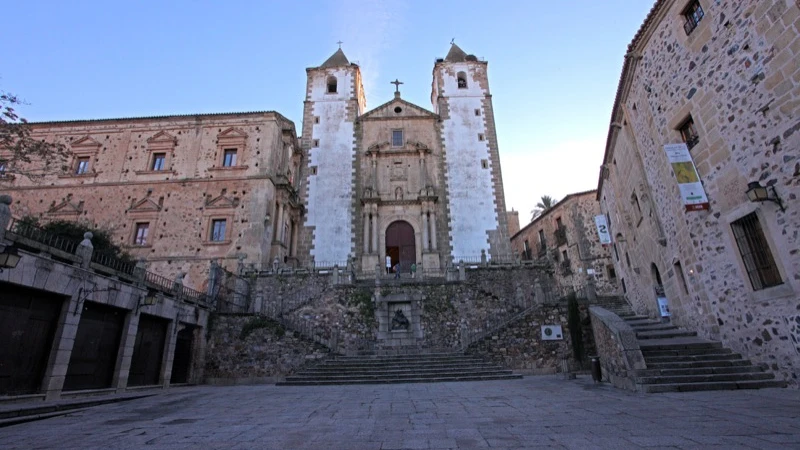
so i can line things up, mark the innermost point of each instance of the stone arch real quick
(461, 77)
(401, 244)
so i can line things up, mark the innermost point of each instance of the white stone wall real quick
(330, 190)
(470, 194)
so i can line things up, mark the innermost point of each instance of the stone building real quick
(513, 222)
(566, 237)
(705, 116)
(178, 191)
(418, 186)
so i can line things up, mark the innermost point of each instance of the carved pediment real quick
(397, 108)
(66, 208)
(144, 205)
(85, 142)
(222, 201)
(162, 137)
(232, 133)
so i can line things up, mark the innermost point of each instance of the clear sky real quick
(553, 65)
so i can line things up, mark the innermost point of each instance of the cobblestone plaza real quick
(535, 412)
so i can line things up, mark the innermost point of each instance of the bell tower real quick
(476, 201)
(334, 100)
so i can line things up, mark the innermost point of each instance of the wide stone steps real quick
(424, 368)
(713, 386)
(678, 361)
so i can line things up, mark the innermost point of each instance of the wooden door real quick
(94, 354)
(28, 321)
(148, 351)
(182, 360)
(401, 245)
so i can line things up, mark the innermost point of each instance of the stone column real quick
(169, 351)
(424, 229)
(61, 351)
(366, 230)
(295, 232)
(279, 233)
(5, 214)
(433, 230)
(125, 352)
(375, 229)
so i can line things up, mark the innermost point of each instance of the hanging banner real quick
(692, 192)
(602, 229)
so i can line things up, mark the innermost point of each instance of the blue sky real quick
(553, 66)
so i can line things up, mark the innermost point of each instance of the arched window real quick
(331, 85)
(462, 80)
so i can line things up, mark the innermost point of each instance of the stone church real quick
(399, 181)
(242, 189)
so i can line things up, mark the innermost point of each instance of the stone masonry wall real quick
(736, 75)
(179, 202)
(249, 348)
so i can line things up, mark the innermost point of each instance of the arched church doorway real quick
(401, 245)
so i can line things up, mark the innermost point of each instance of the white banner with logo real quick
(692, 192)
(602, 229)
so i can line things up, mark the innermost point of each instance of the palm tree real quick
(544, 204)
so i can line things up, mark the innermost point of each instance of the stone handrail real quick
(617, 347)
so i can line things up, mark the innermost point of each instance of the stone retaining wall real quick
(264, 352)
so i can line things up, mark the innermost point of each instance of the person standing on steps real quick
(413, 270)
(388, 264)
(397, 270)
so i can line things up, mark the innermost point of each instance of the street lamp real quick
(758, 193)
(9, 258)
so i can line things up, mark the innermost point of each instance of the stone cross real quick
(340, 43)
(396, 84)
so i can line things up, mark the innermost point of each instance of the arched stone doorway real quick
(401, 244)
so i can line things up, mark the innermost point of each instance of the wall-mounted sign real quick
(692, 192)
(602, 229)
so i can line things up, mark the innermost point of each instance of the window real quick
(689, 132)
(541, 237)
(757, 258)
(462, 80)
(141, 233)
(612, 274)
(3, 166)
(397, 138)
(217, 230)
(566, 258)
(229, 158)
(331, 85)
(480, 136)
(82, 165)
(624, 289)
(484, 164)
(527, 250)
(693, 14)
(158, 161)
(477, 112)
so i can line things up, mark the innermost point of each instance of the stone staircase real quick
(678, 361)
(419, 368)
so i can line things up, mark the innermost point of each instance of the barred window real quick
(142, 229)
(756, 256)
(218, 230)
(692, 14)
(397, 138)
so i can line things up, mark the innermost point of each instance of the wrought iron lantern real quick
(9, 258)
(758, 193)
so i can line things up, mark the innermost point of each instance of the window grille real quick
(756, 256)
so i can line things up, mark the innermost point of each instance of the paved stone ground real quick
(535, 412)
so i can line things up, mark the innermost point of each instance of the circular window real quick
(398, 109)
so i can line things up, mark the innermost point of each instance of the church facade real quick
(401, 183)
(423, 187)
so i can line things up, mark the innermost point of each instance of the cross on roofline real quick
(396, 84)
(340, 44)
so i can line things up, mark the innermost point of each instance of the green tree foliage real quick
(102, 239)
(20, 153)
(544, 204)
